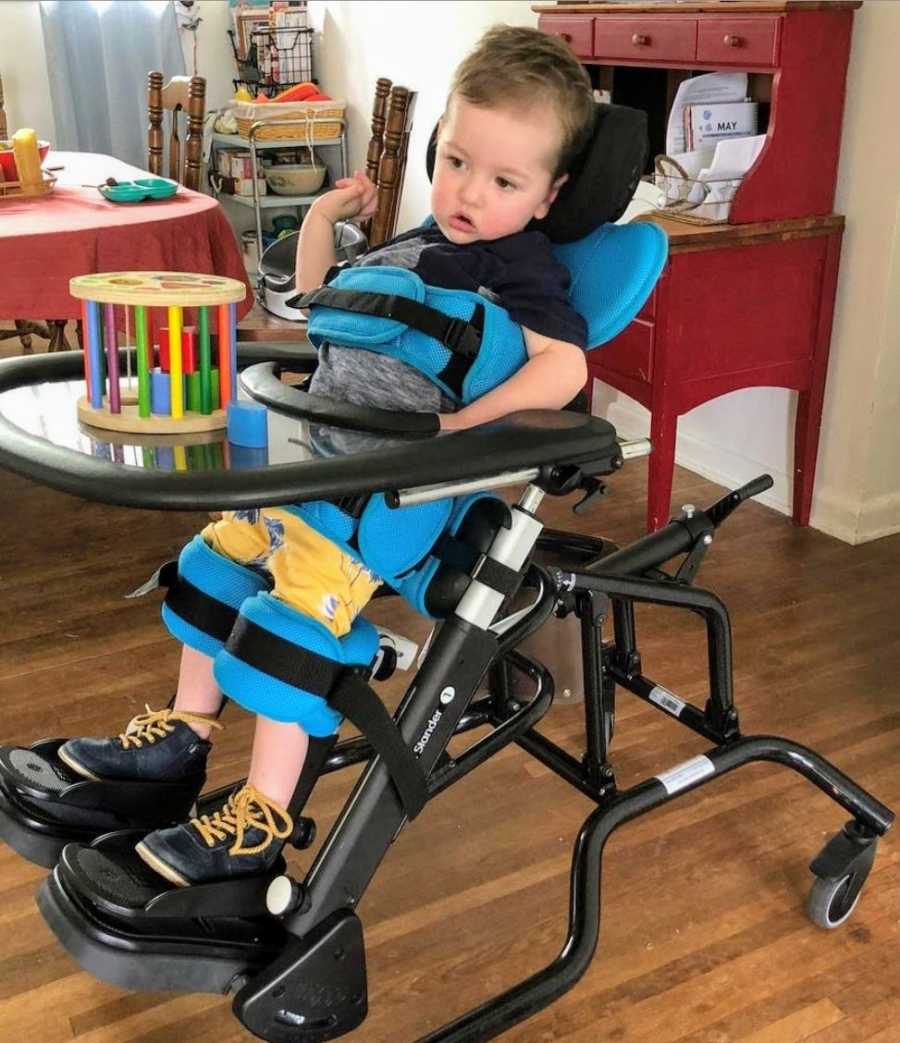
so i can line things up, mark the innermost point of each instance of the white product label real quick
(669, 702)
(686, 774)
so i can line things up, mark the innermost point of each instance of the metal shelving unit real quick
(253, 144)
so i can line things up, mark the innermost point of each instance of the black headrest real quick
(602, 179)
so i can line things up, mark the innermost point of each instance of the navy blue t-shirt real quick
(518, 272)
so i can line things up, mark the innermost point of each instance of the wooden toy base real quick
(129, 420)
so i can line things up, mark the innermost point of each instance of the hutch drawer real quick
(576, 30)
(738, 41)
(652, 39)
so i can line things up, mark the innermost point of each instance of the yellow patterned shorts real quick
(310, 572)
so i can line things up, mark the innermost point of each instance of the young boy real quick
(519, 110)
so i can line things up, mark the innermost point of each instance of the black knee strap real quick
(194, 605)
(353, 697)
(344, 688)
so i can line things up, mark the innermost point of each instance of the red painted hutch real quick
(749, 302)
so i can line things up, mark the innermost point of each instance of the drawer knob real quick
(640, 39)
(566, 36)
(731, 40)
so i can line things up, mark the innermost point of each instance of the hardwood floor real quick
(703, 936)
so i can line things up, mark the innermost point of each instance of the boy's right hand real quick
(352, 197)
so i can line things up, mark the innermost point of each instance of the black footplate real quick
(45, 805)
(129, 927)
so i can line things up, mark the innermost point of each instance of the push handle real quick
(720, 511)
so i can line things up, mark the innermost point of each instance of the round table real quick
(46, 240)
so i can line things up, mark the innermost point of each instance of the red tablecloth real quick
(46, 240)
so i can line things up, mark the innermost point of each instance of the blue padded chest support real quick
(613, 271)
(502, 350)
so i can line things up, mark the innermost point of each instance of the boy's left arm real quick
(553, 375)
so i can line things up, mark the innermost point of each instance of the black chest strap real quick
(460, 337)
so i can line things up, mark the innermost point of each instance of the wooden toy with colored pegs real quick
(187, 391)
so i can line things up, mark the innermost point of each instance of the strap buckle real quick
(462, 338)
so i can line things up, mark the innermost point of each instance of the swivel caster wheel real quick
(841, 869)
(831, 902)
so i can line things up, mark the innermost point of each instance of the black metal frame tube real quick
(689, 715)
(541, 989)
(373, 814)
(706, 604)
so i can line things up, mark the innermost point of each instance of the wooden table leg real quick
(24, 336)
(663, 429)
(24, 329)
(57, 328)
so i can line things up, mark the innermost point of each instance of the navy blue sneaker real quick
(242, 839)
(158, 745)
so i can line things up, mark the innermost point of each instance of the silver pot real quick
(278, 267)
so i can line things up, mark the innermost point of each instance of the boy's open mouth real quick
(461, 223)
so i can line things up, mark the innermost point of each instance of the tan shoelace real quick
(246, 809)
(157, 724)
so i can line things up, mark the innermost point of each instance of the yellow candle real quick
(28, 162)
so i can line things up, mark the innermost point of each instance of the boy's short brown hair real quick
(519, 66)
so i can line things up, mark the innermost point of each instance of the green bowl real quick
(139, 190)
(157, 187)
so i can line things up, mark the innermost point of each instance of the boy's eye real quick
(504, 184)
(454, 162)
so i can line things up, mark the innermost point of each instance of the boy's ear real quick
(556, 186)
(548, 200)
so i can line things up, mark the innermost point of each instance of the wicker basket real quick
(319, 120)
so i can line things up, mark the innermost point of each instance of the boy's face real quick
(494, 170)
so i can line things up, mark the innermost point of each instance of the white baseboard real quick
(837, 516)
(879, 517)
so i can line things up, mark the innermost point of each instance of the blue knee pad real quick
(202, 604)
(282, 664)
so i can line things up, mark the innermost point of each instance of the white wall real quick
(860, 460)
(24, 69)
(412, 43)
(214, 56)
